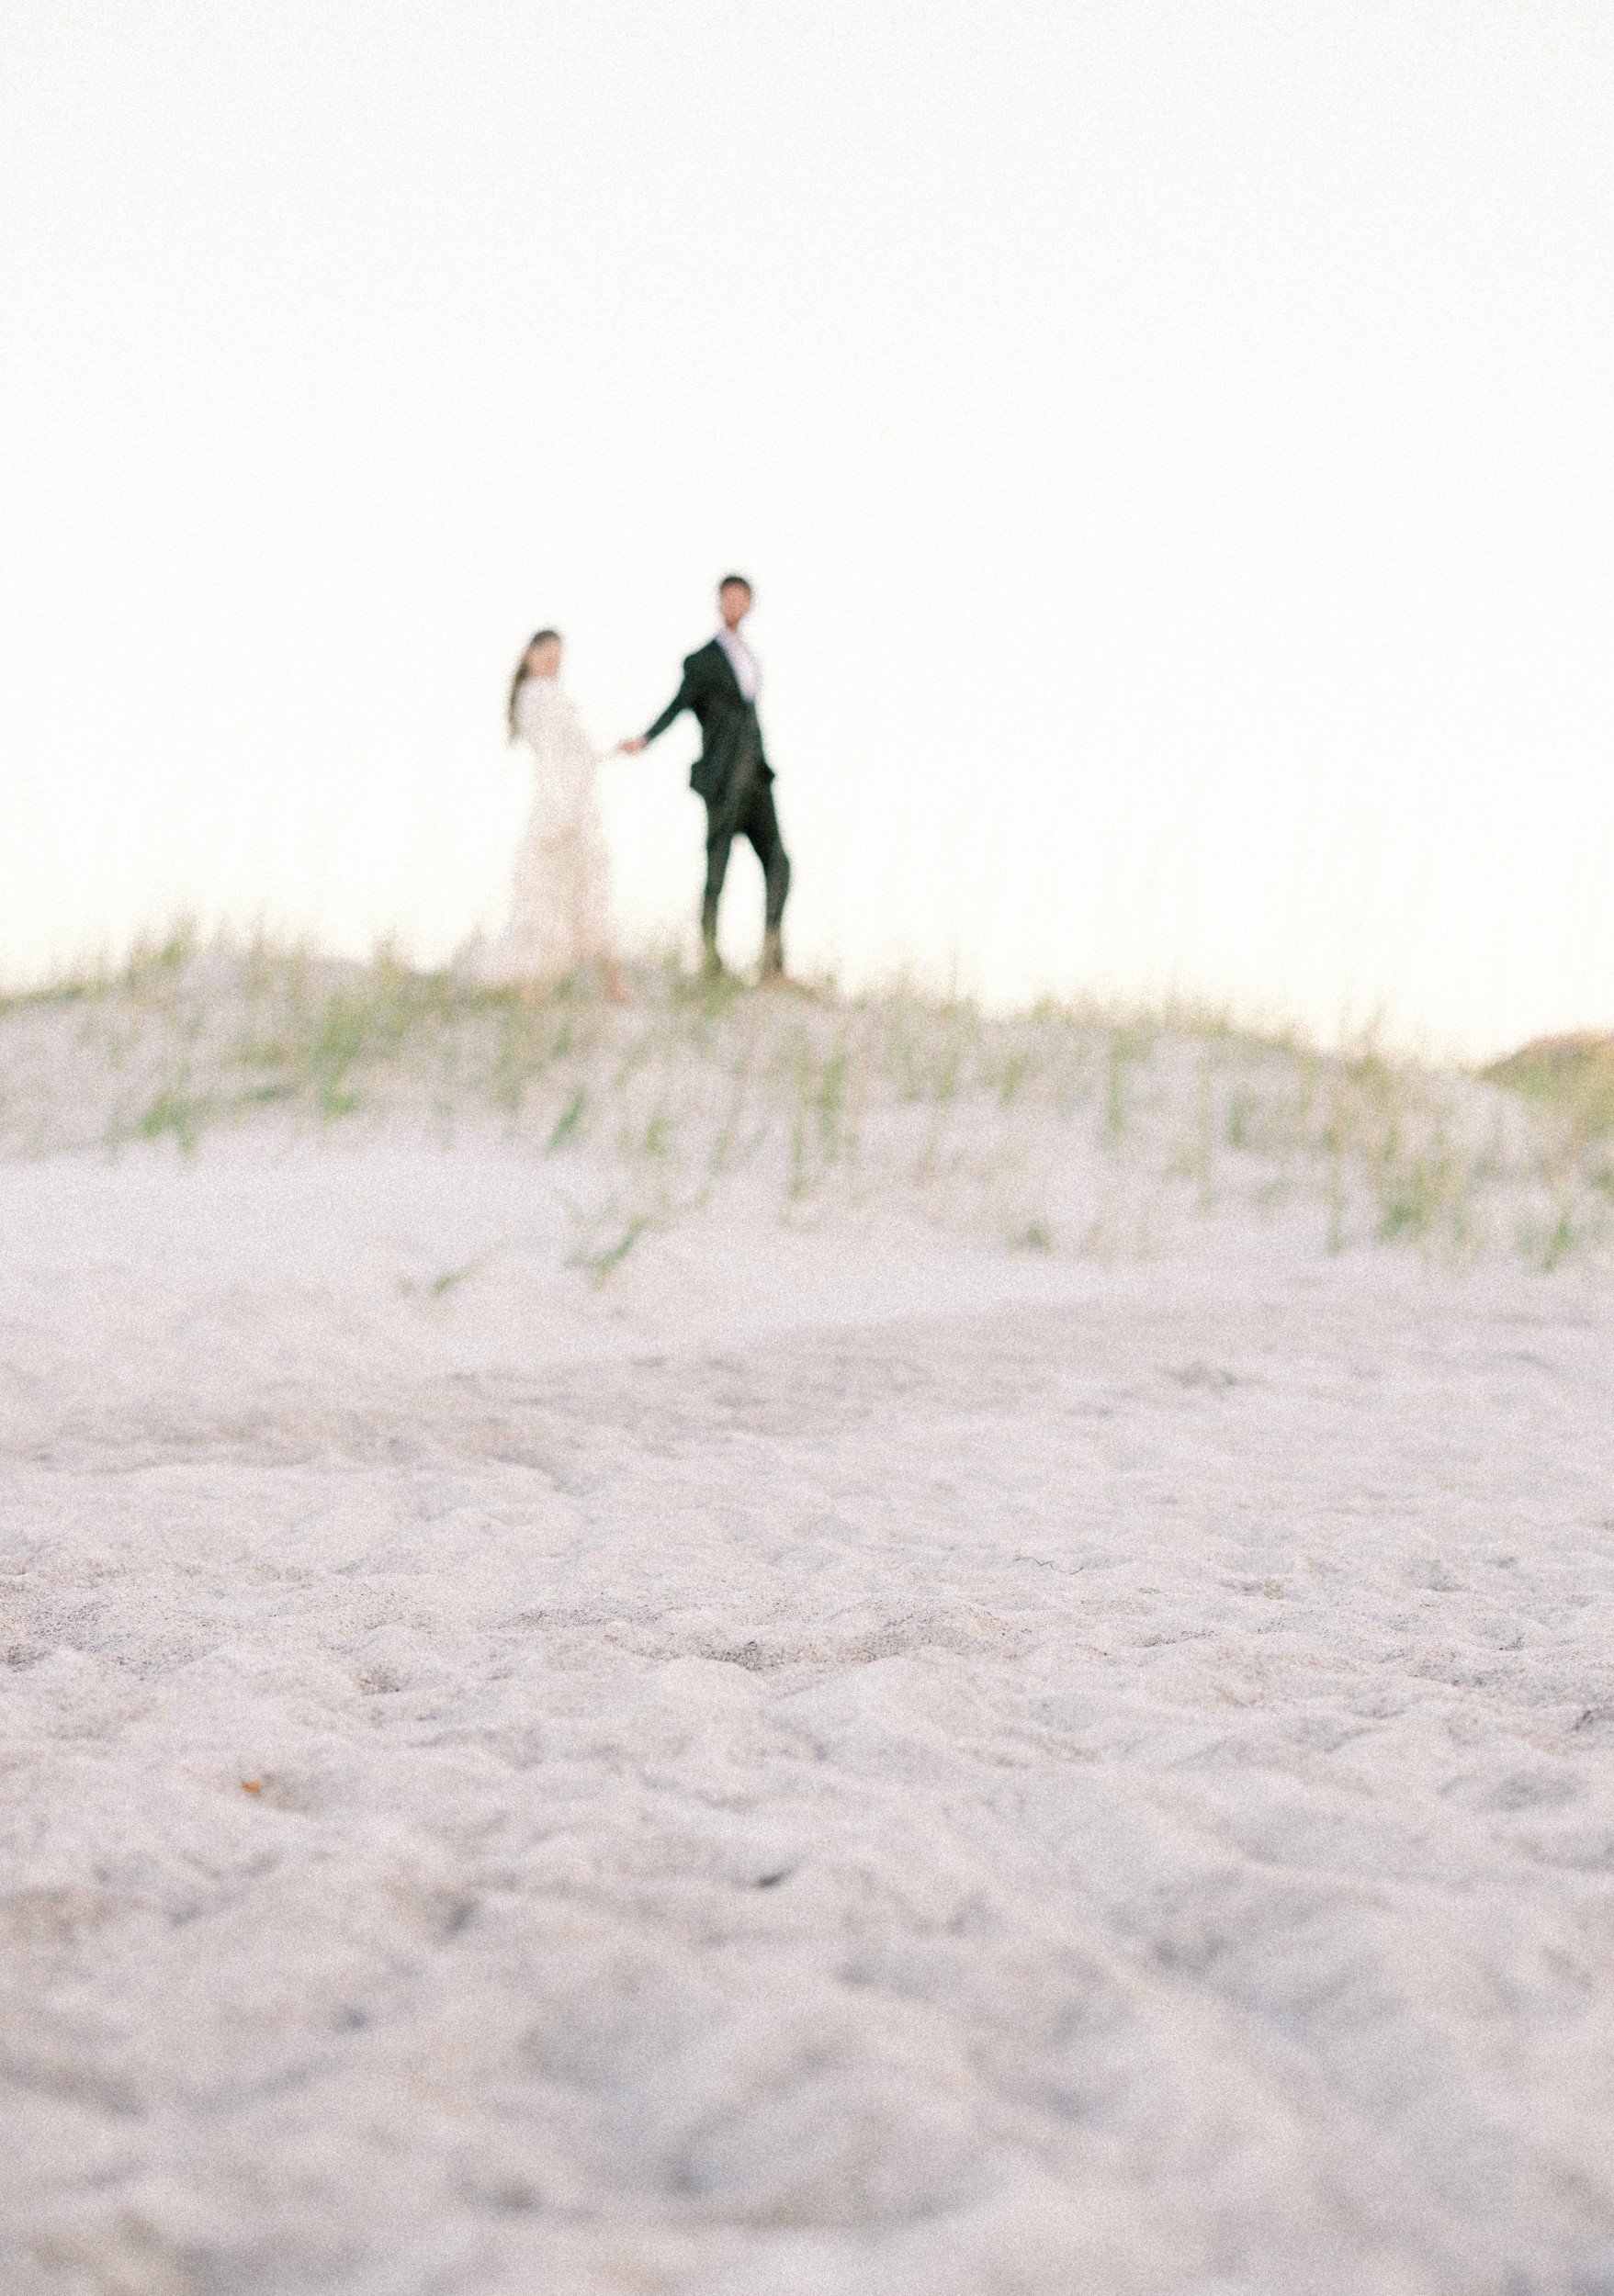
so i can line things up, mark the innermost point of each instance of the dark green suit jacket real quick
(731, 738)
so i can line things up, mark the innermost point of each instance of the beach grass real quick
(1070, 1127)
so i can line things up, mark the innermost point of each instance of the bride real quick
(560, 917)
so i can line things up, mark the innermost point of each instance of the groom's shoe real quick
(715, 974)
(772, 972)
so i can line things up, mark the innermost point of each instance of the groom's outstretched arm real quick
(683, 699)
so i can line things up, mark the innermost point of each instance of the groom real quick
(720, 685)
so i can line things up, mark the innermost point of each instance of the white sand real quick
(851, 1763)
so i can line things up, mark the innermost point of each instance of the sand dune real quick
(841, 1760)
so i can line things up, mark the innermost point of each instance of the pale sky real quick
(1172, 445)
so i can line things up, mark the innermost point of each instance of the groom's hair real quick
(735, 581)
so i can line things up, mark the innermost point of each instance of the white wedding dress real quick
(562, 916)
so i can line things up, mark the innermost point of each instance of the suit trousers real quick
(747, 812)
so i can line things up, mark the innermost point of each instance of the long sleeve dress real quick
(562, 913)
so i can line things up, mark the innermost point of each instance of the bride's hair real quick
(521, 674)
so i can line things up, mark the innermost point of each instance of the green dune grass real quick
(1077, 1127)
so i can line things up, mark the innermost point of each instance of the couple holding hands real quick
(561, 914)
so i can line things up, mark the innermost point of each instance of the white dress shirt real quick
(742, 661)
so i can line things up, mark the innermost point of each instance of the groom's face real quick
(733, 603)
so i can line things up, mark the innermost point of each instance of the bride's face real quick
(543, 660)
